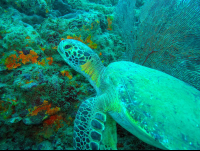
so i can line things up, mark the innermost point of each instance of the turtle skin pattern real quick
(87, 136)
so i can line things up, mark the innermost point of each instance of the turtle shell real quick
(157, 108)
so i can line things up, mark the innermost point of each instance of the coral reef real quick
(39, 93)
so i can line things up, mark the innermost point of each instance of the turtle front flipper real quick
(109, 135)
(92, 128)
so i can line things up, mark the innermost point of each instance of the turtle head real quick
(81, 58)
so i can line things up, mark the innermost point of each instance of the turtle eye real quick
(68, 46)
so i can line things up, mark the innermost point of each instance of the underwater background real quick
(40, 94)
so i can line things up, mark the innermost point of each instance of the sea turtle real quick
(155, 107)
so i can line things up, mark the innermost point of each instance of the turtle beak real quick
(60, 50)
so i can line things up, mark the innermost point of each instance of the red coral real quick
(11, 62)
(53, 119)
(66, 73)
(109, 19)
(50, 60)
(87, 41)
(44, 107)
(32, 56)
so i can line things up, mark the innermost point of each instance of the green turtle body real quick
(154, 106)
